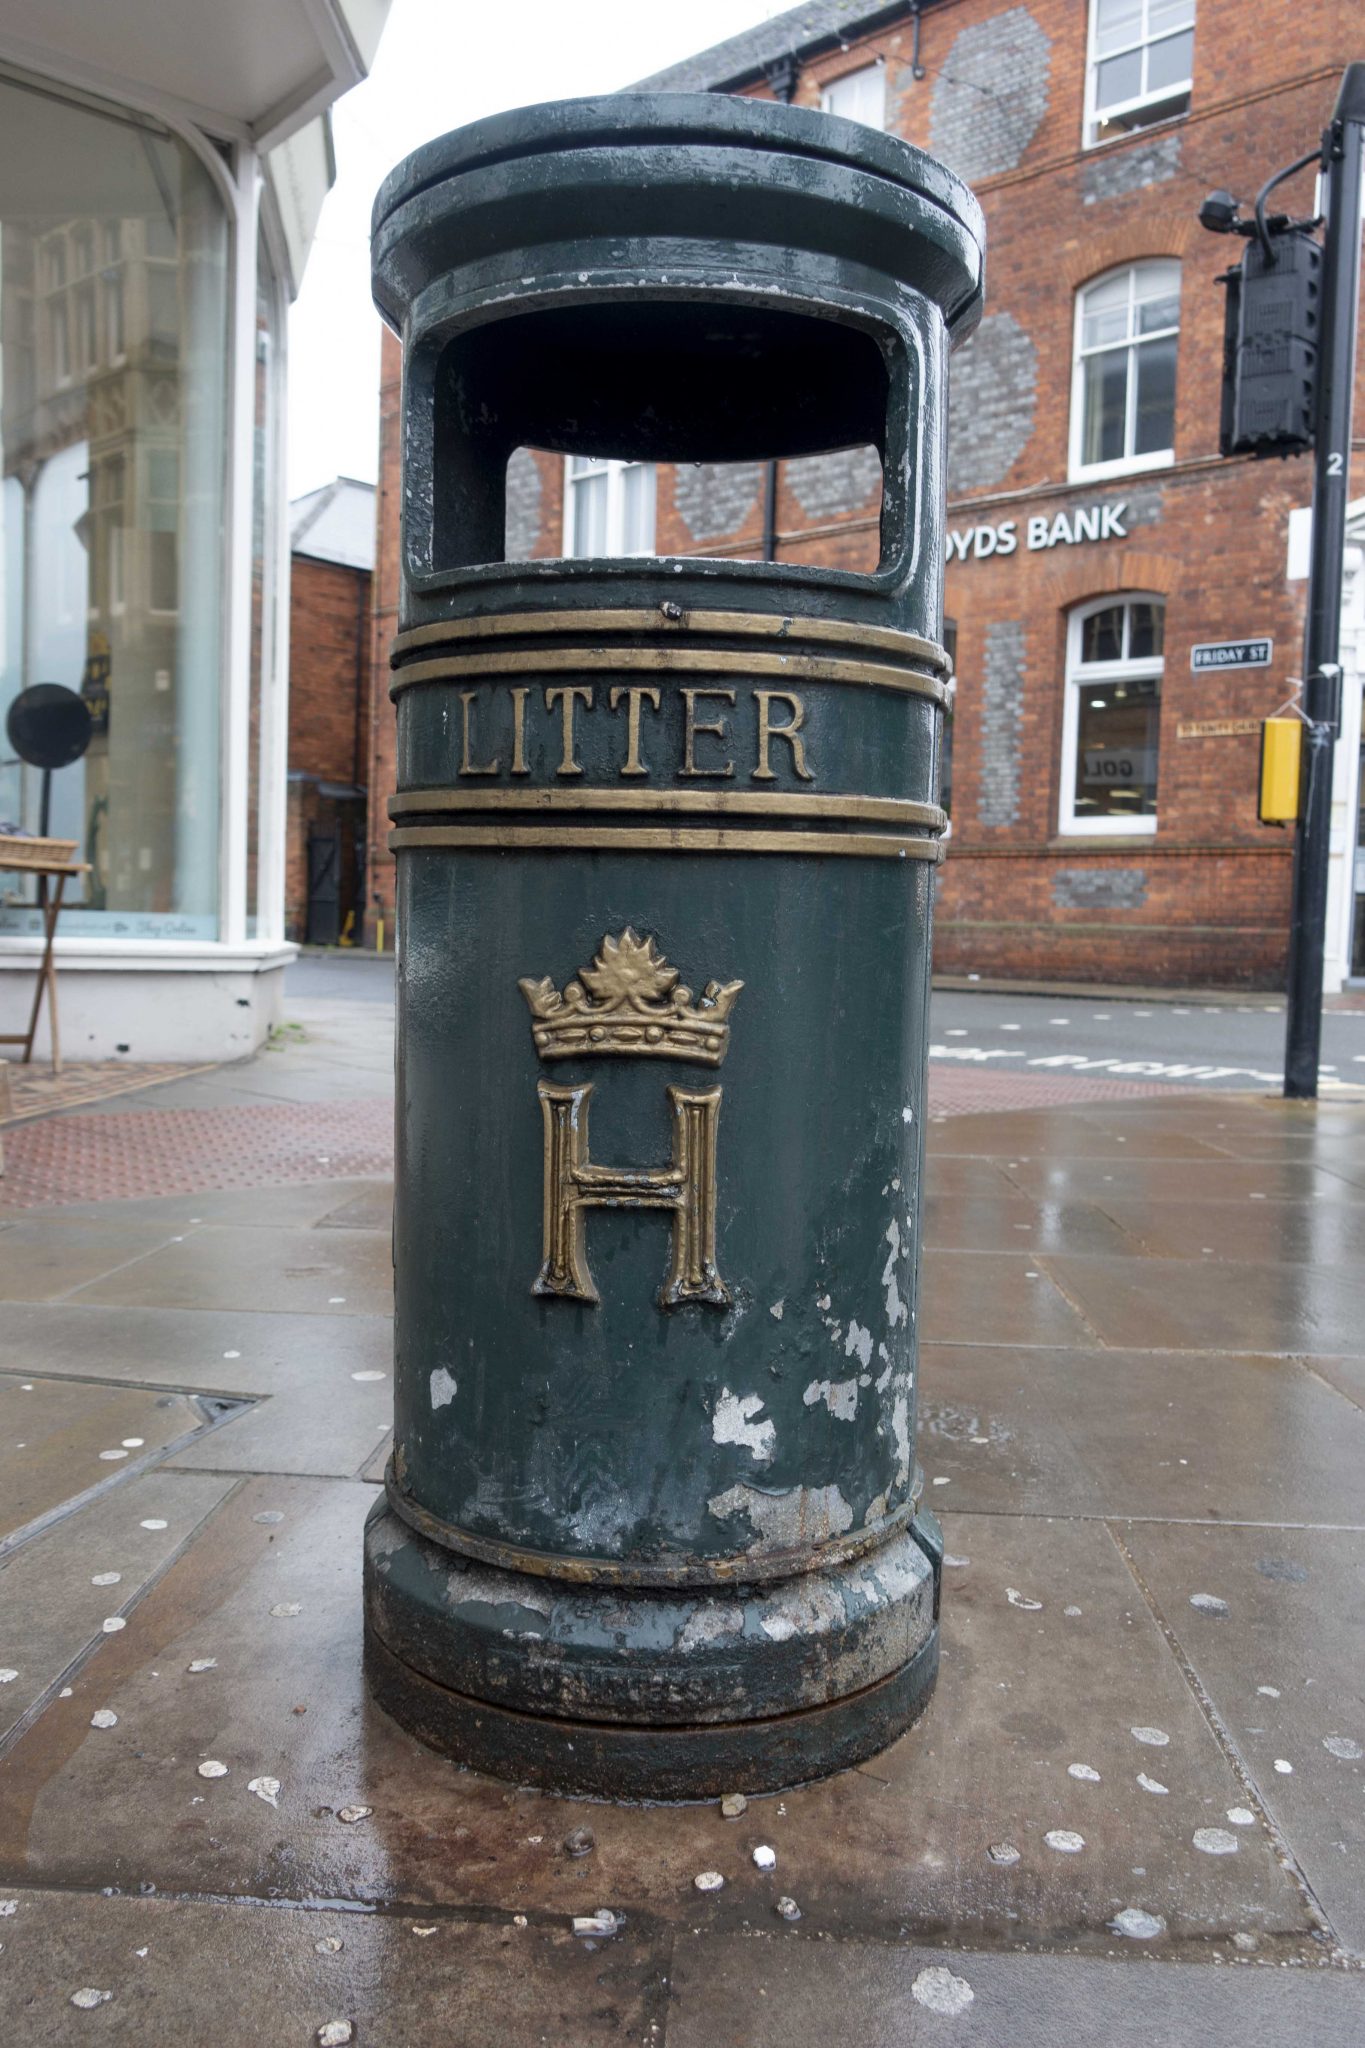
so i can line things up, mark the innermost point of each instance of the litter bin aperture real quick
(665, 835)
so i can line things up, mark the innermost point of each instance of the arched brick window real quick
(1123, 388)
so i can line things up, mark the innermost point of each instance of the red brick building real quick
(1101, 786)
(332, 532)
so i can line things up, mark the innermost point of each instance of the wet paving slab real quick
(1271, 1624)
(154, 1973)
(304, 1272)
(1028, 1750)
(316, 1392)
(995, 1298)
(766, 1992)
(1178, 1305)
(38, 1263)
(66, 1592)
(1121, 1424)
(1177, 1436)
(59, 1440)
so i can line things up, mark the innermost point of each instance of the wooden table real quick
(50, 903)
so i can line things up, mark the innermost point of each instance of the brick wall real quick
(1204, 899)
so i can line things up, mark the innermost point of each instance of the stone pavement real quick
(1133, 1812)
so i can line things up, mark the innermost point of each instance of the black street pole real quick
(1343, 155)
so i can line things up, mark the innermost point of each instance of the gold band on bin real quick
(678, 623)
(659, 839)
(792, 667)
(747, 803)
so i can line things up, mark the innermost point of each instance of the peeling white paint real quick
(733, 1423)
(267, 1789)
(1155, 1738)
(1086, 1772)
(202, 1664)
(858, 1343)
(1215, 1841)
(1241, 1817)
(839, 1396)
(782, 1521)
(711, 1623)
(1284, 1767)
(900, 1430)
(213, 1769)
(443, 1388)
(896, 1310)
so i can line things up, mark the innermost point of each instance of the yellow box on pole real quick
(1281, 745)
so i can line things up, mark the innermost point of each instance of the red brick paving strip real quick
(98, 1158)
(93, 1158)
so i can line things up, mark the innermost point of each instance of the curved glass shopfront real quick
(113, 382)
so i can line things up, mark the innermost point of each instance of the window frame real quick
(1078, 470)
(878, 68)
(1092, 117)
(614, 470)
(1140, 824)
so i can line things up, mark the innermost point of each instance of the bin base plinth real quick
(581, 1689)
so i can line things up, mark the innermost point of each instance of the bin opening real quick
(695, 383)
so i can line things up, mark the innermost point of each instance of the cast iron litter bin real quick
(665, 833)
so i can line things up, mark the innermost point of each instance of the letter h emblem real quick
(687, 1187)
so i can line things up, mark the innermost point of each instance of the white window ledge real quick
(22, 950)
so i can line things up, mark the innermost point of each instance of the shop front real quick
(147, 258)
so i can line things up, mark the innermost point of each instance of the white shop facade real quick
(162, 165)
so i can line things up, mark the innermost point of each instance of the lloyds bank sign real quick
(1062, 530)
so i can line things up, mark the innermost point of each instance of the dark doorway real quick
(324, 887)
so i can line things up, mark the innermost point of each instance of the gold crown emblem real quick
(629, 1001)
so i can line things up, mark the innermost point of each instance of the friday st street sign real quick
(1211, 654)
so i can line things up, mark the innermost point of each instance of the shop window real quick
(1123, 393)
(858, 96)
(1111, 716)
(114, 458)
(608, 507)
(1141, 65)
